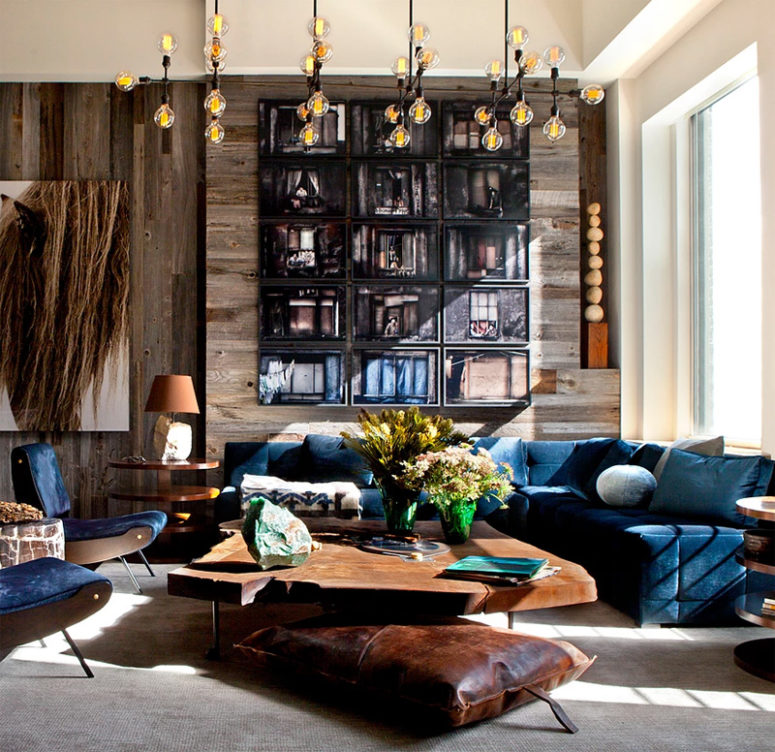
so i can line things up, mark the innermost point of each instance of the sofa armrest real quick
(227, 505)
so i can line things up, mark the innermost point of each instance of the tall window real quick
(727, 266)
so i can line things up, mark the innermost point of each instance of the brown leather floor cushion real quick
(459, 671)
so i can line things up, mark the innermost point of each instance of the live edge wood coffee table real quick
(342, 576)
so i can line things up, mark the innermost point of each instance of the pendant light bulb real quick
(214, 132)
(126, 81)
(400, 67)
(482, 115)
(517, 37)
(521, 114)
(322, 51)
(308, 135)
(318, 104)
(427, 58)
(592, 94)
(217, 26)
(167, 44)
(494, 70)
(214, 50)
(531, 62)
(419, 34)
(215, 103)
(492, 139)
(392, 113)
(302, 112)
(307, 65)
(400, 137)
(318, 27)
(420, 111)
(554, 128)
(554, 56)
(164, 117)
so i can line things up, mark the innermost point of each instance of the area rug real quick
(651, 689)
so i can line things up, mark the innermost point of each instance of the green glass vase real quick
(400, 506)
(456, 518)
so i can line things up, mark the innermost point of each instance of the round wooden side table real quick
(167, 495)
(756, 656)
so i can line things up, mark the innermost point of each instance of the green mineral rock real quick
(274, 536)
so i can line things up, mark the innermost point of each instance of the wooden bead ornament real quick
(593, 247)
(594, 221)
(595, 262)
(594, 295)
(594, 233)
(594, 314)
(593, 208)
(593, 278)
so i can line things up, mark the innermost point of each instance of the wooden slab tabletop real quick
(341, 574)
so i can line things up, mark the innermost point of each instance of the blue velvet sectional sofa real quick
(670, 560)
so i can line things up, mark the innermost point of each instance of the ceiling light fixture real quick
(528, 63)
(215, 54)
(316, 104)
(409, 86)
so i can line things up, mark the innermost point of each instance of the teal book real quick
(513, 568)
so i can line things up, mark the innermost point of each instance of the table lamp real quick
(172, 393)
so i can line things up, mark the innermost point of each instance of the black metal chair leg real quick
(557, 709)
(78, 654)
(147, 565)
(131, 575)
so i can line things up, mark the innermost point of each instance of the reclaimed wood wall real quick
(56, 131)
(568, 401)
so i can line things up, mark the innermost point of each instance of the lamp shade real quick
(172, 393)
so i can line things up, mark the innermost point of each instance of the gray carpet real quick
(650, 690)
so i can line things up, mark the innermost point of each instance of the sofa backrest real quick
(318, 459)
(545, 458)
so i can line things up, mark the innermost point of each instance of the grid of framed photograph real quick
(383, 294)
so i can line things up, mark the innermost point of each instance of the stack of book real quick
(768, 606)
(500, 570)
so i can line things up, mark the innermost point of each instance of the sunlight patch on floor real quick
(582, 691)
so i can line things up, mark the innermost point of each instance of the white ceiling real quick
(91, 40)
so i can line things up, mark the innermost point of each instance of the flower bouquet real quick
(392, 438)
(455, 478)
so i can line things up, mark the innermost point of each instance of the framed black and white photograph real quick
(279, 127)
(395, 189)
(463, 135)
(487, 251)
(370, 131)
(395, 251)
(395, 377)
(301, 377)
(487, 190)
(303, 187)
(396, 313)
(303, 249)
(302, 313)
(486, 377)
(486, 314)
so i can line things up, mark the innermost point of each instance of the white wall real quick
(654, 378)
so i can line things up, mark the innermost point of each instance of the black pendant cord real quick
(165, 97)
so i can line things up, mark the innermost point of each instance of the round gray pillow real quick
(626, 485)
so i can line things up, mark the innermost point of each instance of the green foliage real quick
(393, 437)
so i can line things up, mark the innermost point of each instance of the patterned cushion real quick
(336, 498)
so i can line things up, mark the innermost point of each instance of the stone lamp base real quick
(171, 439)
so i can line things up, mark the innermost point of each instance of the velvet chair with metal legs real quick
(38, 481)
(43, 596)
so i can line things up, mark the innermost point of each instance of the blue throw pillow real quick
(618, 453)
(286, 460)
(255, 465)
(693, 485)
(578, 469)
(508, 449)
(647, 455)
(327, 459)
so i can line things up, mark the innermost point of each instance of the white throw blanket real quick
(335, 498)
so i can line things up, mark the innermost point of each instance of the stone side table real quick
(24, 541)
